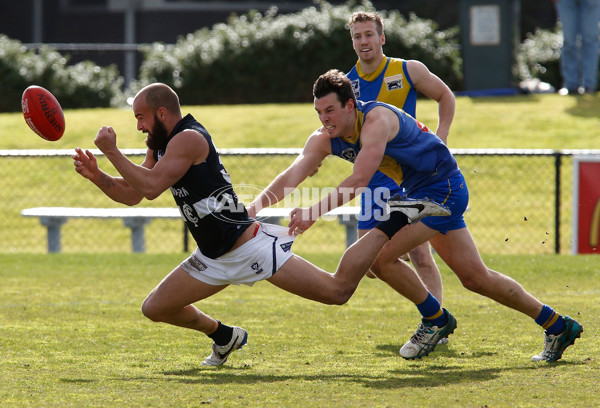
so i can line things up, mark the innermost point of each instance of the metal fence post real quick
(557, 165)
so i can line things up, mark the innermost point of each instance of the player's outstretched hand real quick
(300, 221)
(85, 163)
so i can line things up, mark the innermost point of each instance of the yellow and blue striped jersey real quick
(389, 83)
(416, 157)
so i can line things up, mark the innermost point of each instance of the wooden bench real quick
(136, 219)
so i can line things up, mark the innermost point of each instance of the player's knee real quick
(422, 258)
(150, 310)
(342, 296)
(474, 282)
(379, 268)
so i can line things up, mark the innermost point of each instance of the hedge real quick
(258, 58)
(539, 56)
(82, 85)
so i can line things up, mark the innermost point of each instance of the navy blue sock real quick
(432, 312)
(550, 320)
(222, 335)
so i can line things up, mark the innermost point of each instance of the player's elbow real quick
(131, 203)
(129, 199)
(360, 182)
(151, 192)
(151, 195)
(344, 296)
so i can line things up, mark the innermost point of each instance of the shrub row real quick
(539, 56)
(76, 86)
(259, 58)
(256, 58)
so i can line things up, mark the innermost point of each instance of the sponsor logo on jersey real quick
(393, 82)
(196, 263)
(287, 246)
(179, 192)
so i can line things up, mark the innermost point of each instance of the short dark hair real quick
(365, 16)
(337, 82)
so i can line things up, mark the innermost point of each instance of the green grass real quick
(532, 121)
(73, 335)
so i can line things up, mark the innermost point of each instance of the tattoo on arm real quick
(105, 181)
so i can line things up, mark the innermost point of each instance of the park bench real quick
(136, 219)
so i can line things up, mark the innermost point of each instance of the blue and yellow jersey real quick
(416, 157)
(390, 83)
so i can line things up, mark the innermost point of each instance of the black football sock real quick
(396, 221)
(222, 335)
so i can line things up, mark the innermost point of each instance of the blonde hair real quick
(365, 16)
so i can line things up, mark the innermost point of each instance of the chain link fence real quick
(520, 201)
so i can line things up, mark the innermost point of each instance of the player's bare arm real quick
(380, 126)
(185, 149)
(115, 188)
(316, 149)
(433, 87)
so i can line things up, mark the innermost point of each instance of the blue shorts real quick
(454, 194)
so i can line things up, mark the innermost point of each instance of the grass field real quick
(73, 335)
(528, 122)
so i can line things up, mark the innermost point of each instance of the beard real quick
(157, 139)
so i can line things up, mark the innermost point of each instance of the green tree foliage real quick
(258, 58)
(76, 86)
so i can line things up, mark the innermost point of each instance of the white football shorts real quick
(255, 260)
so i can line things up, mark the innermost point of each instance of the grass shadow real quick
(586, 107)
(406, 377)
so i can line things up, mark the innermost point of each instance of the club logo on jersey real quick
(356, 88)
(393, 82)
(287, 246)
(349, 154)
(256, 268)
(190, 214)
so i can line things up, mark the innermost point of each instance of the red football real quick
(43, 113)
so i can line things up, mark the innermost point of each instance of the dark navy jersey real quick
(206, 199)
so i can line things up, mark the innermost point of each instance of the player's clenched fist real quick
(106, 138)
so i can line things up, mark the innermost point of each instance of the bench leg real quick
(351, 224)
(54, 225)
(138, 242)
